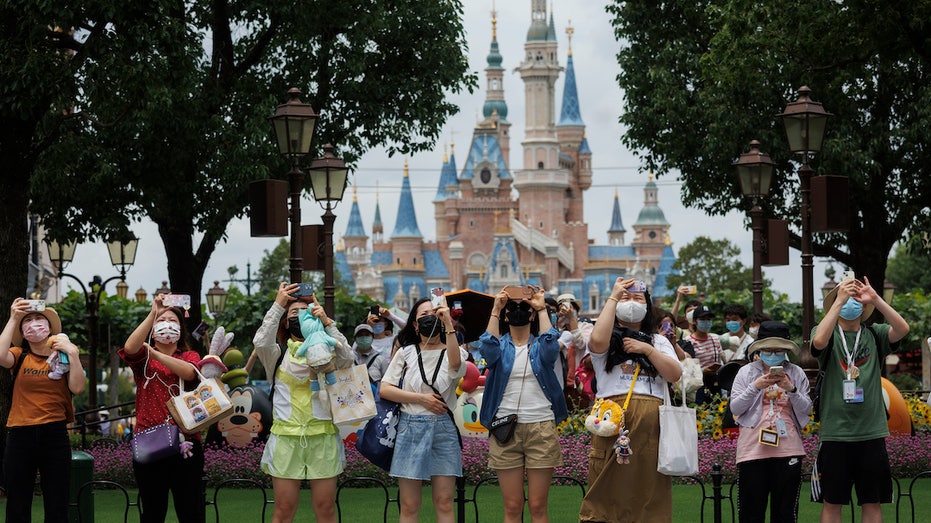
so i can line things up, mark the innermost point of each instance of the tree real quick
(908, 269)
(172, 125)
(712, 265)
(702, 79)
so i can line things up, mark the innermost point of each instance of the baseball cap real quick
(363, 327)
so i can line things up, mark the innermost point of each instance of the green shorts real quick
(307, 457)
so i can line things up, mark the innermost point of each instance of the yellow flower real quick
(717, 434)
(700, 426)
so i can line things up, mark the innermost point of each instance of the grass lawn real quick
(367, 504)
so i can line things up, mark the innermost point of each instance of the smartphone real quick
(637, 286)
(375, 310)
(304, 289)
(776, 371)
(689, 289)
(437, 298)
(847, 275)
(515, 292)
(177, 300)
(36, 305)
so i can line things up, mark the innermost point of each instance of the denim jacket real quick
(499, 358)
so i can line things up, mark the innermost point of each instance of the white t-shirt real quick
(446, 380)
(617, 382)
(523, 388)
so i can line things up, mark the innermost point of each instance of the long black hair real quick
(408, 335)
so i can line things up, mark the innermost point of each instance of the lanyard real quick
(850, 356)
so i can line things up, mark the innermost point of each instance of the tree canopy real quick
(703, 78)
(712, 266)
(160, 108)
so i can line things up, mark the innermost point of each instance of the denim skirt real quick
(426, 446)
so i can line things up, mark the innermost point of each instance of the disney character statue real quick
(622, 448)
(318, 349)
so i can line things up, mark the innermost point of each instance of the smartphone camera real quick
(437, 298)
(776, 371)
(35, 305)
(177, 300)
(689, 289)
(304, 290)
(847, 275)
(375, 310)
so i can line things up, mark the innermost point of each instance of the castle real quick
(485, 237)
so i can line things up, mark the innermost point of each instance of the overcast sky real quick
(615, 167)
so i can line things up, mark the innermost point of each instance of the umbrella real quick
(476, 309)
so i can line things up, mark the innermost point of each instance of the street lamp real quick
(140, 295)
(328, 177)
(888, 291)
(294, 123)
(216, 300)
(804, 121)
(830, 284)
(122, 256)
(755, 172)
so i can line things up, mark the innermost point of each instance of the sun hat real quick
(568, 296)
(773, 335)
(54, 323)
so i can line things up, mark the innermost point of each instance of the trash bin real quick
(82, 471)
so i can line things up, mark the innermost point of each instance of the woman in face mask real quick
(630, 361)
(522, 396)
(770, 402)
(427, 447)
(158, 354)
(37, 438)
(304, 444)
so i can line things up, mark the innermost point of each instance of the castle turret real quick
(355, 240)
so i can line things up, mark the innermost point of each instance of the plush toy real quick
(211, 366)
(57, 361)
(318, 349)
(622, 448)
(606, 418)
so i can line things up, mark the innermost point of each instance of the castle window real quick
(504, 271)
(398, 261)
(414, 260)
(539, 165)
(472, 223)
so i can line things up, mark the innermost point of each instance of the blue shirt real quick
(499, 358)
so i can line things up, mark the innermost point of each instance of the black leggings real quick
(37, 448)
(182, 477)
(773, 480)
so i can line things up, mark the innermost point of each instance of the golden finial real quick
(340, 246)
(406, 175)
(615, 193)
(668, 239)
(494, 21)
(355, 193)
(569, 32)
(445, 157)
(650, 177)
(452, 144)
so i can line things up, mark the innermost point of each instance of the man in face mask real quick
(708, 351)
(735, 317)
(853, 415)
(382, 325)
(374, 361)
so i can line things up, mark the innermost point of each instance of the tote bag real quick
(678, 440)
(195, 409)
(376, 443)
(351, 398)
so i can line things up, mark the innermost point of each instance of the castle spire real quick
(571, 115)
(406, 225)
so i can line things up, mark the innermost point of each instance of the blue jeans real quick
(37, 448)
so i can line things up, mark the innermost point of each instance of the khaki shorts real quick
(533, 446)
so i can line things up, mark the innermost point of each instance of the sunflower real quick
(717, 434)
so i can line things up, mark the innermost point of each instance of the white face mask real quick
(630, 311)
(753, 331)
(690, 317)
(166, 332)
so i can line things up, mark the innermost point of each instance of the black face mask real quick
(428, 326)
(294, 328)
(519, 317)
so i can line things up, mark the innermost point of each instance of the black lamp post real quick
(122, 256)
(755, 172)
(294, 123)
(328, 177)
(216, 300)
(804, 122)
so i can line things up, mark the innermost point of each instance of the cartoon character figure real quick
(318, 349)
(242, 426)
(606, 418)
(391, 432)
(199, 413)
(205, 393)
(191, 402)
(622, 448)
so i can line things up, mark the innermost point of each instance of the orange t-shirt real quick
(36, 398)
